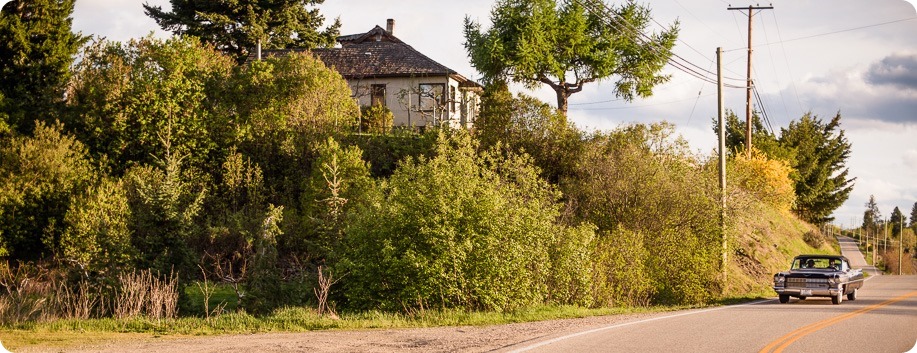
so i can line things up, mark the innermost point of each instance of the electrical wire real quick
(830, 33)
(674, 60)
(786, 60)
(774, 67)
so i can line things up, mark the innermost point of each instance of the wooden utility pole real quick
(900, 243)
(748, 84)
(721, 112)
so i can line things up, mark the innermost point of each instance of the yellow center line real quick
(794, 336)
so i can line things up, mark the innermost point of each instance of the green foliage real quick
(565, 46)
(37, 48)
(621, 269)
(822, 183)
(165, 205)
(131, 102)
(528, 125)
(264, 285)
(897, 220)
(639, 180)
(871, 217)
(763, 141)
(96, 238)
(282, 107)
(376, 119)
(237, 27)
(383, 152)
(38, 176)
(477, 236)
(914, 217)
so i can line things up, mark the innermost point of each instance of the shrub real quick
(376, 119)
(814, 238)
(464, 229)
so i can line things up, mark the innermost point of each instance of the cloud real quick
(884, 91)
(897, 70)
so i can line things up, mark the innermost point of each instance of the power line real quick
(787, 61)
(674, 60)
(830, 33)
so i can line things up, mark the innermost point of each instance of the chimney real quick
(390, 26)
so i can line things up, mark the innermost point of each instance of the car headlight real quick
(779, 279)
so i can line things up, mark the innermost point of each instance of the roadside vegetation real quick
(176, 191)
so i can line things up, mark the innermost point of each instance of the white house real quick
(420, 92)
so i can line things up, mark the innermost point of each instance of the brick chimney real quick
(390, 26)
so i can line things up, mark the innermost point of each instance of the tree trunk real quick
(563, 98)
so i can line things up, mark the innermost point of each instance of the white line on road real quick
(561, 338)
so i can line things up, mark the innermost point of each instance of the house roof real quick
(376, 54)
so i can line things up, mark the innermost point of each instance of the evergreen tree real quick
(914, 217)
(236, 27)
(821, 177)
(37, 48)
(871, 217)
(762, 139)
(896, 220)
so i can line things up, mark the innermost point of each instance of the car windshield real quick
(816, 263)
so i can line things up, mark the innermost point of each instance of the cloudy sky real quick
(856, 57)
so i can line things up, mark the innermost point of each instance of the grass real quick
(69, 333)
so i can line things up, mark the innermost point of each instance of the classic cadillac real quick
(819, 276)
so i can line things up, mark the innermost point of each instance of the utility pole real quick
(722, 137)
(900, 243)
(748, 84)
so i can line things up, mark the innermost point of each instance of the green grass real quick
(68, 333)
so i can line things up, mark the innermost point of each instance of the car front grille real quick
(807, 282)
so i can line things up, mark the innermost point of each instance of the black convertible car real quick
(819, 276)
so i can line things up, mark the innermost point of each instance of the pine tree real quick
(235, 27)
(822, 182)
(37, 47)
(914, 217)
(896, 220)
(871, 217)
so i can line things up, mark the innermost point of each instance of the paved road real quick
(883, 319)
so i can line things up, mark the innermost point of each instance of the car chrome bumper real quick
(809, 292)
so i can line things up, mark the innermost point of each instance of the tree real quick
(37, 48)
(38, 177)
(821, 177)
(566, 46)
(130, 102)
(914, 217)
(236, 27)
(524, 123)
(871, 217)
(762, 140)
(896, 220)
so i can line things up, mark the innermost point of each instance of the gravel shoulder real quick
(496, 338)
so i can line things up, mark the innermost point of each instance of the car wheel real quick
(802, 298)
(784, 299)
(837, 299)
(852, 295)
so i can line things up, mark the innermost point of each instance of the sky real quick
(853, 57)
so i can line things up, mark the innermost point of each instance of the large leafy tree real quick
(37, 48)
(568, 45)
(822, 178)
(236, 26)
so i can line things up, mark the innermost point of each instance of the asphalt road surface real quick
(882, 319)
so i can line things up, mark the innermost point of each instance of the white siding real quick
(403, 99)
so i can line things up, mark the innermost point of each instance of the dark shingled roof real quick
(378, 53)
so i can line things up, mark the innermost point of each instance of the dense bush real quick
(464, 229)
(640, 183)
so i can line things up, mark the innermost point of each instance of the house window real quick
(377, 95)
(431, 96)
